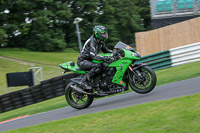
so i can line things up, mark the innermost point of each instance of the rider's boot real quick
(84, 82)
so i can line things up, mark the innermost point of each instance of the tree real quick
(86, 10)
(47, 25)
(107, 18)
(121, 18)
(13, 19)
(46, 31)
(2, 38)
(144, 11)
(36, 25)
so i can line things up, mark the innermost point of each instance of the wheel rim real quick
(146, 80)
(77, 99)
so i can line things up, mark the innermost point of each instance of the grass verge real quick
(32, 59)
(175, 115)
(164, 76)
(178, 73)
(50, 58)
(8, 66)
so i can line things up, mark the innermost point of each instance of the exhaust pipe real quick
(79, 90)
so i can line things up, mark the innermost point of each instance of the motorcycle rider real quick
(90, 52)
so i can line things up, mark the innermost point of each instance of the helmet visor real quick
(105, 35)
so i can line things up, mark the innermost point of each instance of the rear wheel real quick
(77, 100)
(143, 80)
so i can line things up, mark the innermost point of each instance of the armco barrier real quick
(185, 54)
(157, 61)
(47, 89)
(172, 57)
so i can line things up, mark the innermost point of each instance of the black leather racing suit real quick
(90, 52)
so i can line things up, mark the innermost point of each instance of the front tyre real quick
(143, 80)
(77, 100)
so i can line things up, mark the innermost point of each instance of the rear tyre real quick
(77, 100)
(147, 80)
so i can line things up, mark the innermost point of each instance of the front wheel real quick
(142, 80)
(77, 100)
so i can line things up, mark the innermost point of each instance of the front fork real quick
(136, 72)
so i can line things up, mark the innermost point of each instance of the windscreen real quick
(122, 45)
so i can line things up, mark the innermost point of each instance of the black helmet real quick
(100, 32)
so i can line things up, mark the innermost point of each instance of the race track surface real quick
(177, 89)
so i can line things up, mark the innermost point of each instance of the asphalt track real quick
(177, 89)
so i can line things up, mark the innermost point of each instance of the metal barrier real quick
(157, 61)
(185, 54)
(173, 57)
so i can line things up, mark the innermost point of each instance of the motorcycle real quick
(116, 77)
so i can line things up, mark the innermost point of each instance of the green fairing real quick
(122, 65)
(74, 68)
(130, 55)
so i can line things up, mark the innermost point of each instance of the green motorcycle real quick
(116, 77)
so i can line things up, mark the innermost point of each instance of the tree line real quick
(47, 25)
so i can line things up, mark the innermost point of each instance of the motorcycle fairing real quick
(121, 67)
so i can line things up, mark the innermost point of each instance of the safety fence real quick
(185, 54)
(158, 60)
(47, 89)
(55, 87)
(173, 57)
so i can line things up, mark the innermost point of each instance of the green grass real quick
(39, 58)
(162, 75)
(177, 115)
(51, 58)
(8, 66)
(165, 76)
(178, 73)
